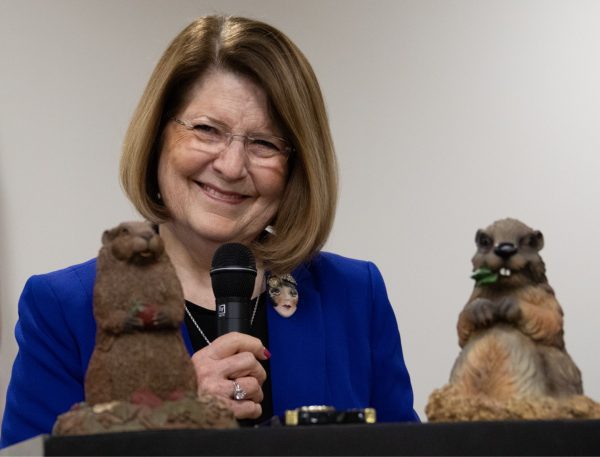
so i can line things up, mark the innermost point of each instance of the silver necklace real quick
(256, 300)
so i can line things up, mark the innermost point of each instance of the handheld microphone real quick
(232, 273)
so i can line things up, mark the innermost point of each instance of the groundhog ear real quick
(109, 235)
(483, 239)
(537, 240)
(106, 237)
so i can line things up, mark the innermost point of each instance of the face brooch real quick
(283, 291)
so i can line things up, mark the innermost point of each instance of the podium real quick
(572, 437)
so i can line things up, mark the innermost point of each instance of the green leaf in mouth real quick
(483, 276)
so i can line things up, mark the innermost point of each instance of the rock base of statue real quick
(145, 412)
(449, 404)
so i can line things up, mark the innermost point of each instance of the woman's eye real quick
(266, 144)
(275, 291)
(294, 293)
(207, 129)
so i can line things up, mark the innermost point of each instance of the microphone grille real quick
(233, 254)
(233, 271)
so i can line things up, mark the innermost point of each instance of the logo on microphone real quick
(221, 310)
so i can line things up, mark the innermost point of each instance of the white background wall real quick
(446, 114)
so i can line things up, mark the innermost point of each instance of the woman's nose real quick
(231, 162)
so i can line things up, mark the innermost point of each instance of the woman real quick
(230, 143)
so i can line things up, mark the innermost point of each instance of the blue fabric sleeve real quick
(391, 391)
(47, 376)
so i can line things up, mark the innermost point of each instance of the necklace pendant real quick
(283, 291)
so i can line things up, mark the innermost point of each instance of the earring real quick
(270, 229)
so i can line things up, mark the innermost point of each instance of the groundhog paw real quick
(161, 320)
(480, 312)
(508, 310)
(132, 323)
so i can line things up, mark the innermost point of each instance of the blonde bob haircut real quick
(269, 58)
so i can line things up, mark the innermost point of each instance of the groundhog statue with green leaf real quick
(513, 363)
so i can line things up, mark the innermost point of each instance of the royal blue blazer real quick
(340, 348)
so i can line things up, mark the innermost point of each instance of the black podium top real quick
(571, 437)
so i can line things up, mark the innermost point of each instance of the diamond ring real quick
(238, 392)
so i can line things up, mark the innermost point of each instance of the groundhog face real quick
(508, 254)
(133, 242)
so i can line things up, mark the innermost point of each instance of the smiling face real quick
(221, 197)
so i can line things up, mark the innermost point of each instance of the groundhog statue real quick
(138, 307)
(513, 363)
(140, 375)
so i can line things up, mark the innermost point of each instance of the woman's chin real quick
(218, 230)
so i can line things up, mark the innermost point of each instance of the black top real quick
(207, 320)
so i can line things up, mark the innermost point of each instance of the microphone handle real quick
(233, 315)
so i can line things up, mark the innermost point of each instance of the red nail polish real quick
(267, 353)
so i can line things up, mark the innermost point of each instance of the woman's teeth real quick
(223, 196)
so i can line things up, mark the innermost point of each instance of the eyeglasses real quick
(214, 137)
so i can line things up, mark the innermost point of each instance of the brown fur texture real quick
(138, 307)
(510, 332)
(449, 404)
(205, 412)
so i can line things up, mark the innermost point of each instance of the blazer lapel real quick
(186, 338)
(297, 346)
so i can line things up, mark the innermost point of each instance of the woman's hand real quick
(233, 357)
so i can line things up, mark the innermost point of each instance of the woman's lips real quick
(221, 195)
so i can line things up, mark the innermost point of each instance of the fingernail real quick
(267, 353)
